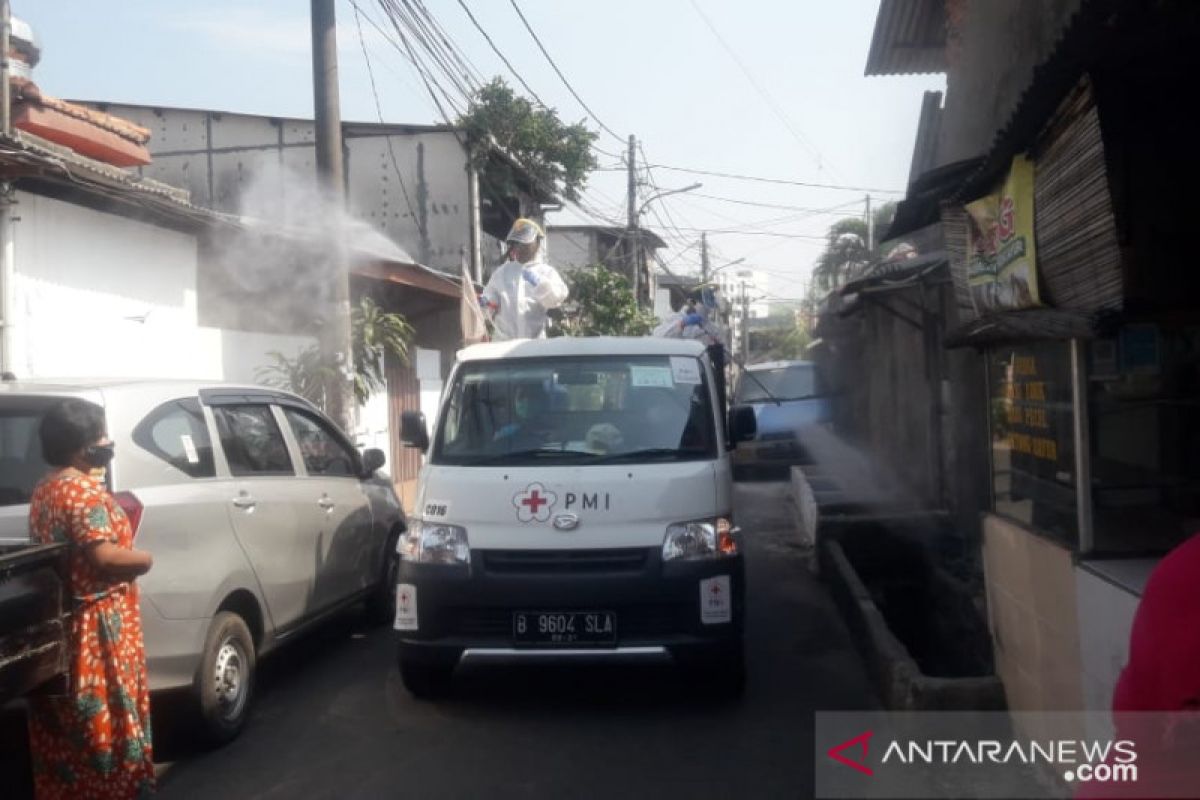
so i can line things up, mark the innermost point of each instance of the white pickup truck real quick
(576, 503)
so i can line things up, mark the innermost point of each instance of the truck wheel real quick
(226, 680)
(381, 603)
(426, 681)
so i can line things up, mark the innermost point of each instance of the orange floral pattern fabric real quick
(95, 742)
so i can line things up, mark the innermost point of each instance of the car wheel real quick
(226, 680)
(381, 604)
(426, 681)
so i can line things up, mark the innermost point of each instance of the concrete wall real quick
(1002, 41)
(412, 187)
(1033, 616)
(1106, 614)
(100, 295)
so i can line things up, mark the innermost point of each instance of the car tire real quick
(426, 681)
(381, 603)
(225, 683)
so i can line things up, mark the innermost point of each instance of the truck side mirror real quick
(743, 425)
(413, 432)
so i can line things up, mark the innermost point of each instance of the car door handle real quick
(326, 503)
(245, 502)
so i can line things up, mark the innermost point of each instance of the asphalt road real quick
(332, 719)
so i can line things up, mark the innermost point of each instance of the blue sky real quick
(647, 67)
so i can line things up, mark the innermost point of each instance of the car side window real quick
(176, 433)
(252, 441)
(323, 451)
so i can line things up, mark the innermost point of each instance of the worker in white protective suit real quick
(524, 288)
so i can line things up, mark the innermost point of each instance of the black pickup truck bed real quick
(34, 614)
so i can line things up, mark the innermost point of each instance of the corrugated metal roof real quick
(910, 38)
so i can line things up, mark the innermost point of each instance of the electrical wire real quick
(379, 111)
(495, 49)
(521, 78)
(762, 91)
(561, 76)
(759, 204)
(780, 181)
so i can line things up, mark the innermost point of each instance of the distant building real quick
(574, 247)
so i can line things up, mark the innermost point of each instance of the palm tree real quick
(846, 251)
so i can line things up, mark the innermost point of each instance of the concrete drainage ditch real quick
(901, 583)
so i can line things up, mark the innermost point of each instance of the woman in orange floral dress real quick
(95, 742)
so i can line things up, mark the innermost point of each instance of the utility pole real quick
(704, 257)
(745, 325)
(870, 228)
(335, 334)
(632, 248)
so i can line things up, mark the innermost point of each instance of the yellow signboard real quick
(1001, 255)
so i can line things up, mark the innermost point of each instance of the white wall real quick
(243, 353)
(99, 295)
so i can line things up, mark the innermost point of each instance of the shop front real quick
(1071, 282)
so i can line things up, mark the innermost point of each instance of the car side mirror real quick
(743, 425)
(413, 432)
(372, 460)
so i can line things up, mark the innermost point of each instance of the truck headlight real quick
(435, 543)
(709, 538)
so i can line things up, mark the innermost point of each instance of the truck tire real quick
(225, 683)
(381, 603)
(426, 681)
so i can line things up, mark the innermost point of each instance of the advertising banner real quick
(1001, 255)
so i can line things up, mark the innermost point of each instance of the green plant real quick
(601, 304)
(558, 155)
(846, 249)
(375, 335)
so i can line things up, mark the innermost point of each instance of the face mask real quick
(98, 455)
(521, 407)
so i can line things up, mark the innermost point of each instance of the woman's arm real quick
(118, 563)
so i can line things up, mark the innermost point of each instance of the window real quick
(1143, 390)
(792, 382)
(21, 464)
(577, 411)
(177, 433)
(252, 441)
(1033, 444)
(323, 451)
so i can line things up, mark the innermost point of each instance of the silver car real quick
(261, 516)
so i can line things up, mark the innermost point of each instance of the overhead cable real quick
(561, 76)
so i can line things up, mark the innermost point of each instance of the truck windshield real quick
(791, 382)
(580, 410)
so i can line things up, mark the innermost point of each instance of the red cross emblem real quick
(534, 503)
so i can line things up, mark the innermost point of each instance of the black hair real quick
(67, 428)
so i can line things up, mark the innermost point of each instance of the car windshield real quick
(629, 409)
(791, 382)
(21, 464)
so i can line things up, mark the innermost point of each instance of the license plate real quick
(564, 627)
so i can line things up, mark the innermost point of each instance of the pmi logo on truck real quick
(535, 503)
